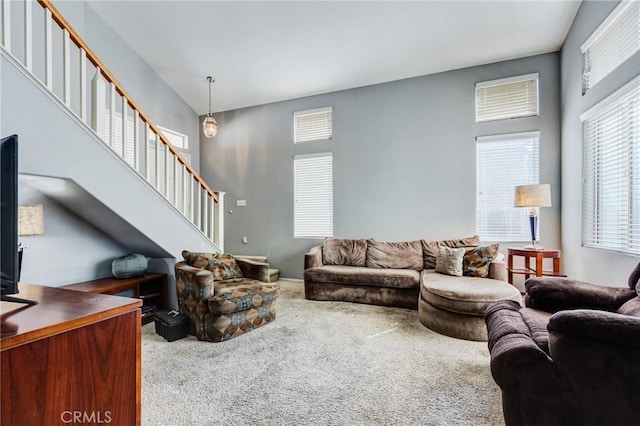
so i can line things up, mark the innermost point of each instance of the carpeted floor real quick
(320, 363)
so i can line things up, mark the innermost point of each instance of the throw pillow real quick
(402, 255)
(336, 251)
(197, 259)
(431, 249)
(223, 267)
(476, 260)
(449, 261)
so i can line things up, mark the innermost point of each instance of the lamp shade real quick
(209, 126)
(533, 195)
(30, 219)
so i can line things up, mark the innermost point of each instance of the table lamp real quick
(30, 222)
(533, 196)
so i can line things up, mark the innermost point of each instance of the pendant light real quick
(209, 125)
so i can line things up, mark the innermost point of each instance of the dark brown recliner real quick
(571, 356)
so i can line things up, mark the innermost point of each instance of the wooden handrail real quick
(93, 58)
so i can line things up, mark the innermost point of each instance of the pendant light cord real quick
(211, 80)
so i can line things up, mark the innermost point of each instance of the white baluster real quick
(167, 167)
(197, 205)
(156, 159)
(112, 116)
(48, 50)
(98, 103)
(219, 223)
(125, 125)
(147, 154)
(185, 176)
(203, 209)
(83, 85)
(176, 185)
(192, 200)
(136, 138)
(212, 215)
(28, 35)
(66, 67)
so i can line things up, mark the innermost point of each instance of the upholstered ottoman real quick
(455, 305)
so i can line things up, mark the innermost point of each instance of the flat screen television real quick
(10, 254)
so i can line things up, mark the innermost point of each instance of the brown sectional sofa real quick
(379, 273)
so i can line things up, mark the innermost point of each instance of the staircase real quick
(86, 143)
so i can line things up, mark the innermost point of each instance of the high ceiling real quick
(267, 51)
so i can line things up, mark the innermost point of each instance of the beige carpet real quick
(320, 363)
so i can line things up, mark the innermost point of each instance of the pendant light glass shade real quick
(209, 126)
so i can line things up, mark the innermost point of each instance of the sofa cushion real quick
(238, 295)
(476, 260)
(402, 255)
(465, 295)
(507, 318)
(555, 294)
(449, 261)
(357, 275)
(336, 251)
(431, 249)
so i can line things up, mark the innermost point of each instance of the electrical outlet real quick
(244, 240)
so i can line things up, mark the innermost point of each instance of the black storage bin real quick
(172, 325)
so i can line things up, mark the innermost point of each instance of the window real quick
(178, 140)
(511, 97)
(129, 152)
(313, 195)
(611, 172)
(612, 43)
(502, 163)
(313, 125)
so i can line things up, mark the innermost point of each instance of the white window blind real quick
(612, 43)
(611, 172)
(129, 153)
(511, 97)
(502, 163)
(313, 124)
(313, 195)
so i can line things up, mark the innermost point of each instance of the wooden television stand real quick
(72, 356)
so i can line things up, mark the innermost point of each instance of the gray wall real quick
(404, 161)
(584, 263)
(70, 250)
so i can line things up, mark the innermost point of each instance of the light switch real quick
(244, 240)
(241, 203)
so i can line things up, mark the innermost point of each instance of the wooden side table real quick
(539, 256)
(151, 288)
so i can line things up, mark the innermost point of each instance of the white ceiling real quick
(267, 51)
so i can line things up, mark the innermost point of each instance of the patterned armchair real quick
(224, 297)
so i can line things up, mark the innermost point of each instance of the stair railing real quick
(57, 57)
